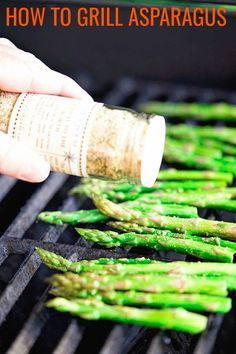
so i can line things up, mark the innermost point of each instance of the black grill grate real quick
(26, 326)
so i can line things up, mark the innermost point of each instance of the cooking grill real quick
(26, 326)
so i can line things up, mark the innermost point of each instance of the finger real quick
(25, 73)
(54, 83)
(18, 161)
(21, 56)
(31, 59)
(65, 86)
(6, 42)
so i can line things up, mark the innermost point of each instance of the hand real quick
(22, 72)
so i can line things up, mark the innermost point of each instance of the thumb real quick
(18, 161)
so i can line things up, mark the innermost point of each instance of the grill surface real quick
(26, 326)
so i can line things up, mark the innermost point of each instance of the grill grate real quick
(26, 326)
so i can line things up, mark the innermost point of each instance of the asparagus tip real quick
(73, 191)
(40, 251)
(52, 217)
(45, 255)
(82, 232)
(55, 303)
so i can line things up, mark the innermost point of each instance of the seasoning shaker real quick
(86, 138)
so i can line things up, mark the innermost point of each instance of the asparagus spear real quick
(193, 147)
(197, 226)
(225, 148)
(201, 147)
(228, 159)
(192, 302)
(94, 215)
(132, 227)
(131, 192)
(198, 161)
(199, 111)
(178, 319)
(217, 200)
(163, 209)
(152, 202)
(72, 283)
(225, 271)
(225, 134)
(192, 175)
(194, 248)
(52, 260)
(177, 155)
(219, 193)
(111, 190)
(72, 217)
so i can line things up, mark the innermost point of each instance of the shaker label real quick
(56, 127)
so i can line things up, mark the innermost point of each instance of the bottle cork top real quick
(153, 150)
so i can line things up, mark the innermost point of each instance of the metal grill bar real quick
(138, 91)
(30, 331)
(120, 338)
(29, 212)
(75, 252)
(70, 340)
(34, 205)
(207, 339)
(6, 184)
(155, 346)
(26, 272)
(35, 323)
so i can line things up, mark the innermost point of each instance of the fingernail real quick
(36, 171)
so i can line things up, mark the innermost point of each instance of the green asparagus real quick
(211, 199)
(52, 260)
(124, 266)
(72, 217)
(224, 134)
(199, 111)
(123, 193)
(175, 154)
(163, 209)
(132, 227)
(111, 190)
(192, 302)
(224, 147)
(197, 226)
(172, 174)
(193, 147)
(73, 283)
(178, 319)
(215, 198)
(194, 248)
(94, 215)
